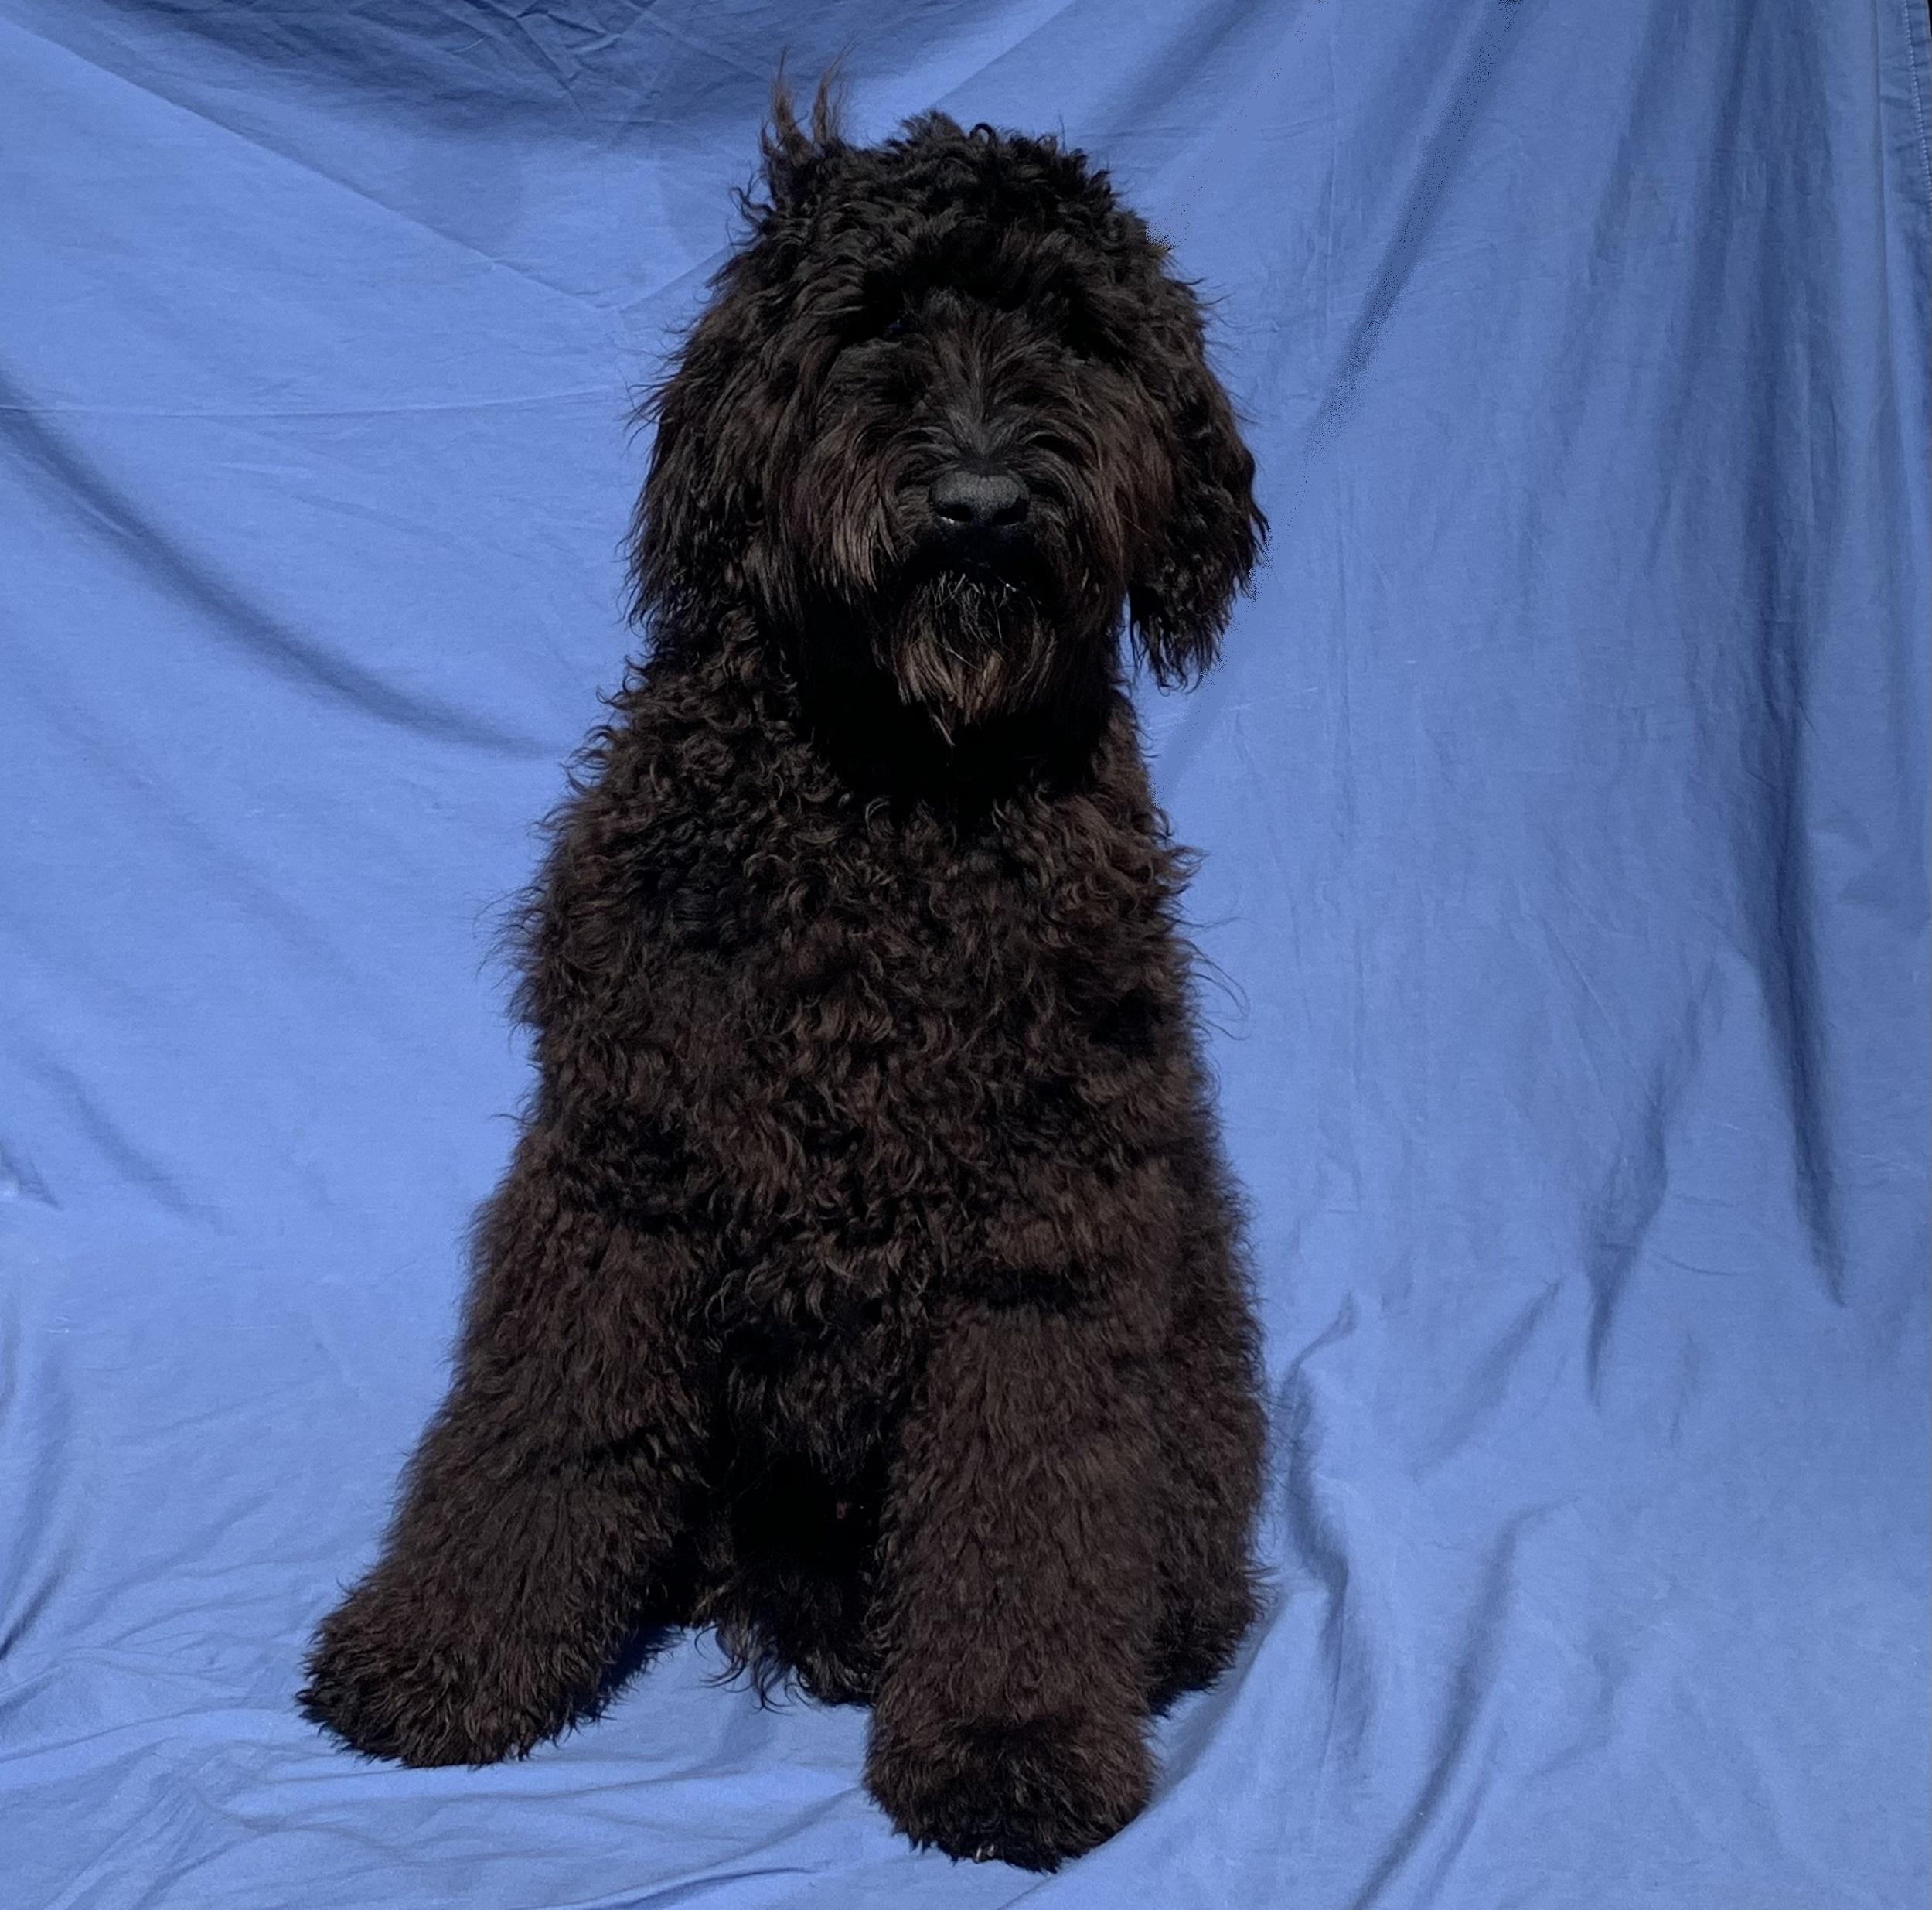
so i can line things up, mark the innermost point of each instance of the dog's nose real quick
(979, 498)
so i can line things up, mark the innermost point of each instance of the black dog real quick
(867, 1285)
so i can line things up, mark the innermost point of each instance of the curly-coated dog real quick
(866, 1283)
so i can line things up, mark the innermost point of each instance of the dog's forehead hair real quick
(994, 213)
(1032, 181)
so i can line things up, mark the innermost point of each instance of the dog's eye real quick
(894, 327)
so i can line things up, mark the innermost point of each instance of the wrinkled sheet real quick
(1564, 803)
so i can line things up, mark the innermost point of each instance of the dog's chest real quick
(887, 1034)
(935, 966)
(898, 1021)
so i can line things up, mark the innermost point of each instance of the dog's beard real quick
(966, 645)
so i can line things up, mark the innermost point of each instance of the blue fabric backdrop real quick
(1564, 797)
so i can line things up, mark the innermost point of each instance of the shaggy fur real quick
(866, 1285)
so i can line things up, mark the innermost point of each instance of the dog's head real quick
(948, 413)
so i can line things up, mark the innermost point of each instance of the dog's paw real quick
(1032, 1793)
(398, 1678)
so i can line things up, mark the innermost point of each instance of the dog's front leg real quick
(547, 1499)
(1017, 1567)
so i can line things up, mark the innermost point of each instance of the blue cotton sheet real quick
(1564, 799)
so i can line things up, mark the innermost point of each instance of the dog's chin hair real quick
(965, 648)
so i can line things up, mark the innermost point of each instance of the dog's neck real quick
(881, 745)
(852, 713)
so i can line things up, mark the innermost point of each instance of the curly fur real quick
(866, 1283)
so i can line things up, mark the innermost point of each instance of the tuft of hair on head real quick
(793, 153)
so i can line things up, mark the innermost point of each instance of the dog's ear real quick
(1203, 548)
(701, 503)
(688, 532)
(794, 155)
